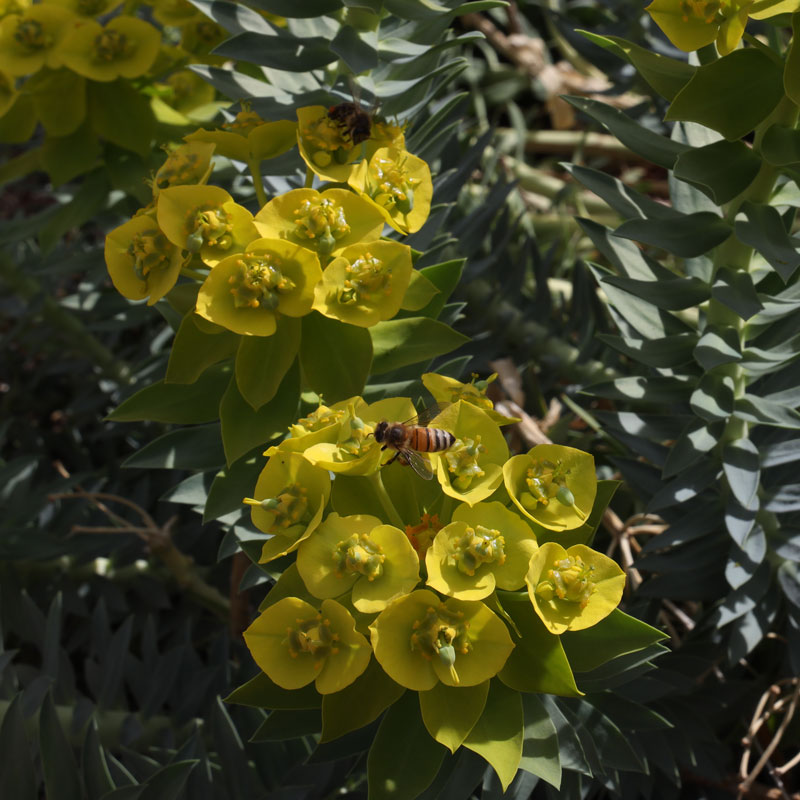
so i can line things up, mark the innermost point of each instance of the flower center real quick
(150, 251)
(327, 141)
(245, 122)
(462, 461)
(180, 169)
(391, 187)
(441, 634)
(705, 10)
(421, 536)
(323, 222)
(477, 546)
(312, 637)
(259, 282)
(320, 418)
(569, 579)
(111, 45)
(30, 34)
(547, 480)
(366, 277)
(361, 555)
(210, 226)
(290, 506)
(353, 437)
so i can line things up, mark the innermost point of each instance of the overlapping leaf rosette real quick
(453, 577)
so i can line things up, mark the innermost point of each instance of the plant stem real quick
(258, 183)
(194, 273)
(309, 178)
(386, 502)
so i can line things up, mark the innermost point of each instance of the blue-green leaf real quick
(721, 170)
(764, 230)
(740, 463)
(400, 342)
(686, 236)
(195, 448)
(735, 289)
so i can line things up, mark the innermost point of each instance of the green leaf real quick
(196, 348)
(735, 289)
(64, 158)
(666, 75)
(122, 115)
(667, 352)
(721, 170)
(197, 448)
(766, 412)
(498, 734)
(717, 346)
(697, 439)
(731, 95)
(400, 342)
(19, 122)
(781, 146)
(540, 753)
(538, 662)
(179, 403)
(96, 776)
(243, 428)
(168, 781)
(712, 400)
(281, 52)
(353, 50)
(262, 361)
(764, 230)
(335, 356)
(644, 142)
(293, 9)
(421, 290)
(672, 295)
(403, 759)
(450, 712)
(791, 72)
(740, 463)
(687, 236)
(282, 725)
(360, 703)
(445, 277)
(61, 778)
(618, 634)
(59, 97)
(86, 203)
(261, 692)
(650, 390)
(17, 774)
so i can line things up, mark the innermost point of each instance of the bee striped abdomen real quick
(430, 440)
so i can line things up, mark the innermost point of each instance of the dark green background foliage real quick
(112, 670)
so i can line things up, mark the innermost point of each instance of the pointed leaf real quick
(17, 775)
(450, 712)
(196, 448)
(717, 346)
(61, 778)
(540, 751)
(764, 230)
(721, 170)
(735, 289)
(194, 349)
(261, 692)
(401, 342)
(740, 463)
(686, 236)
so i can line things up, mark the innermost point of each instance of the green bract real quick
(141, 261)
(125, 48)
(400, 186)
(573, 589)
(250, 139)
(483, 547)
(365, 283)
(295, 644)
(205, 220)
(470, 470)
(32, 40)
(245, 292)
(420, 640)
(553, 485)
(357, 552)
(290, 496)
(324, 222)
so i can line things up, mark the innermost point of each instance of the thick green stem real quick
(386, 502)
(258, 183)
(309, 178)
(194, 273)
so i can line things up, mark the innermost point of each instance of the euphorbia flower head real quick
(250, 138)
(188, 164)
(32, 40)
(295, 644)
(575, 588)
(420, 640)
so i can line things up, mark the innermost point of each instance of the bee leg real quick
(392, 459)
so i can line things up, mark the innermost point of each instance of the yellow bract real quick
(32, 40)
(249, 138)
(125, 48)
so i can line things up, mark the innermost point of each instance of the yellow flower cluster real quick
(304, 250)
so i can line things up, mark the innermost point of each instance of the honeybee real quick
(411, 438)
(356, 122)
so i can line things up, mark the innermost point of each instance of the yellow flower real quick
(325, 145)
(692, 24)
(141, 261)
(125, 48)
(399, 184)
(249, 138)
(188, 164)
(31, 40)
(245, 292)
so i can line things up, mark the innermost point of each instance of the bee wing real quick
(419, 464)
(427, 414)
